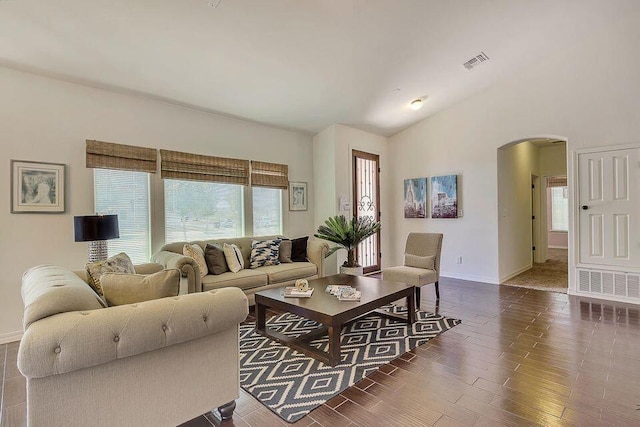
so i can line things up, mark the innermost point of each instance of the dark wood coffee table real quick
(332, 313)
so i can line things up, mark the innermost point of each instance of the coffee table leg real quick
(334, 344)
(411, 307)
(261, 314)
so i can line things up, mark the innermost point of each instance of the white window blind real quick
(559, 209)
(126, 194)
(196, 210)
(267, 211)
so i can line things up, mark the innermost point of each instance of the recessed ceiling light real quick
(416, 104)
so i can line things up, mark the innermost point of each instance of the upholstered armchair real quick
(421, 263)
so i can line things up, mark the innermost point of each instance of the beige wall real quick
(324, 175)
(589, 102)
(516, 164)
(48, 120)
(333, 171)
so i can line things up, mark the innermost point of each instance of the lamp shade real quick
(95, 227)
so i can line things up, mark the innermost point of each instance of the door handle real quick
(585, 207)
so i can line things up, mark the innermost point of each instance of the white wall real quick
(516, 164)
(589, 102)
(42, 119)
(324, 177)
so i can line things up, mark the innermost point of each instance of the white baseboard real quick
(469, 277)
(10, 337)
(557, 247)
(515, 273)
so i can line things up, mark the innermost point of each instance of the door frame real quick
(355, 154)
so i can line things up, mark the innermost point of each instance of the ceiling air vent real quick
(476, 60)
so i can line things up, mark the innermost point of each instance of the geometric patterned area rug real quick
(292, 384)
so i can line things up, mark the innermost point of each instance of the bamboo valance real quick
(108, 155)
(557, 181)
(271, 175)
(198, 167)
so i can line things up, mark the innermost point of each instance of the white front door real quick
(609, 206)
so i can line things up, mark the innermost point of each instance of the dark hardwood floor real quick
(520, 357)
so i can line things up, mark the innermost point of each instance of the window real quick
(267, 211)
(196, 210)
(559, 209)
(126, 194)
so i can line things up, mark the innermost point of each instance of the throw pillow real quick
(216, 262)
(426, 262)
(120, 263)
(299, 249)
(264, 252)
(285, 251)
(233, 255)
(194, 251)
(120, 288)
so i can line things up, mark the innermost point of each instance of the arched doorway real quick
(533, 213)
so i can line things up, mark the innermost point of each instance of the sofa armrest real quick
(187, 266)
(316, 251)
(148, 268)
(76, 340)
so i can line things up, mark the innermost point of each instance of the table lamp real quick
(96, 229)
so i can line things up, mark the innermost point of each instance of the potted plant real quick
(347, 235)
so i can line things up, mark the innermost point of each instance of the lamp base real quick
(98, 250)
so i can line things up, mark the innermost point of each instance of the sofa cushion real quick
(120, 289)
(233, 255)
(194, 251)
(284, 254)
(410, 275)
(265, 252)
(290, 271)
(120, 263)
(49, 290)
(216, 261)
(243, 279)
(426, 262)
(299, 249)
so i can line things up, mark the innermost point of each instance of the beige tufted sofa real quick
(156, 363)
(249, 280)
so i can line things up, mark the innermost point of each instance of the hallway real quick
(551, 275)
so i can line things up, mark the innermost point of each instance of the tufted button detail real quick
(84, 313)
(204, 318)
(164, 327)
(134, 305)
(116, 338)
(57, 350)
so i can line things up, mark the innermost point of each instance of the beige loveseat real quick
(249, 280)
(155, 363)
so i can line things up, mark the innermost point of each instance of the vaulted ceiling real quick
(299, 64)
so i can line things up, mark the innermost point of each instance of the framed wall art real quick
(297, 196)
(37, 187)
(444, 196)
(415, 198)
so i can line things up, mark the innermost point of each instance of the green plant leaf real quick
(347, 234)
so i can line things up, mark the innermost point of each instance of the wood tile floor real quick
(520, 357)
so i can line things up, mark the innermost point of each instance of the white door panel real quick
(609, 207)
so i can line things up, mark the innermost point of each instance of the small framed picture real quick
(297, 196)
(37, 187)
